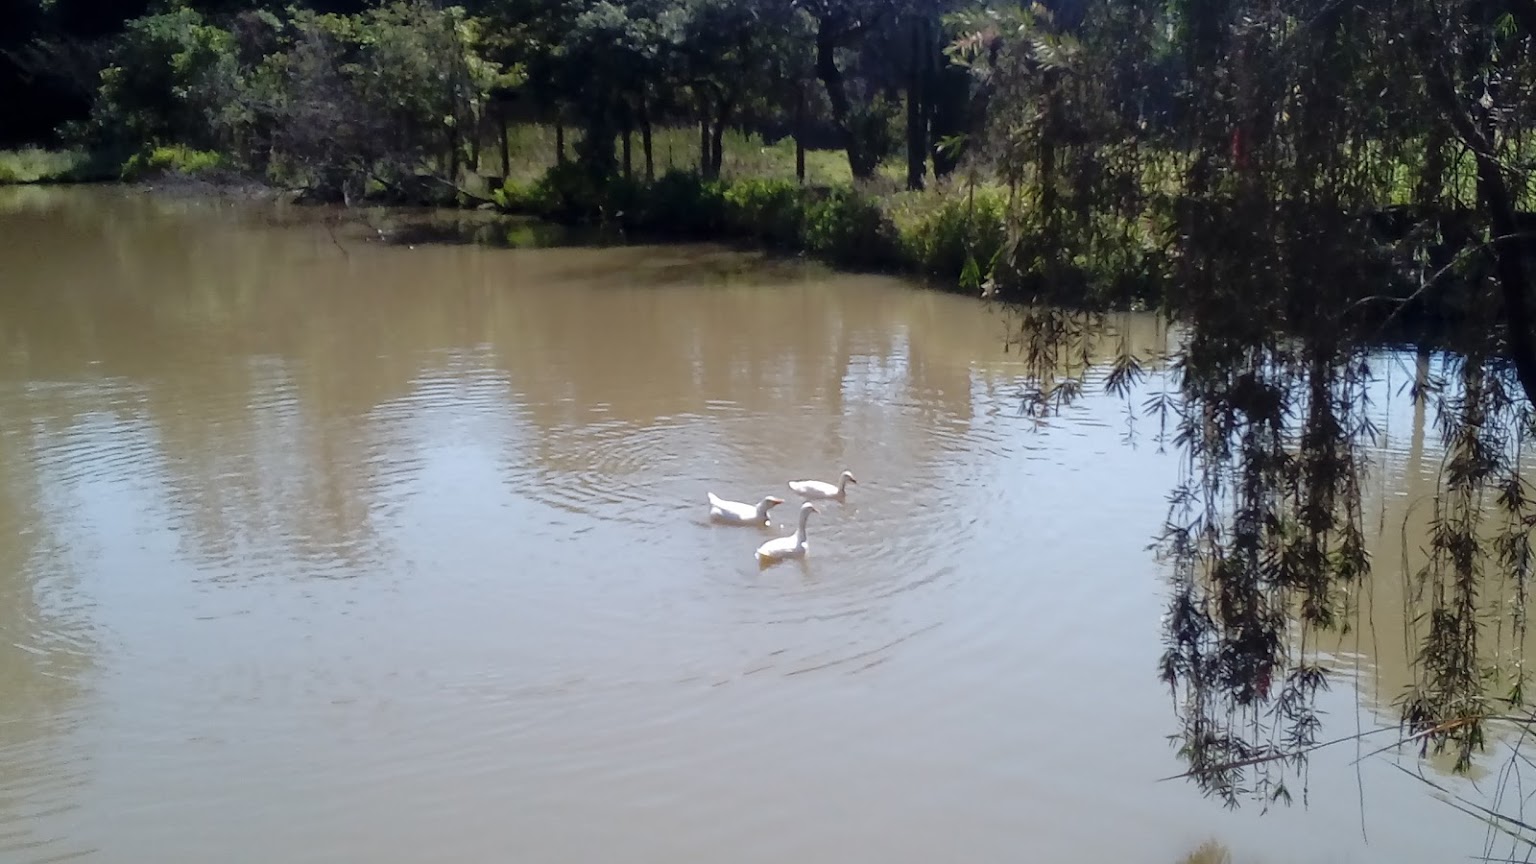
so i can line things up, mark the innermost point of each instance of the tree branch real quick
(1509, 266)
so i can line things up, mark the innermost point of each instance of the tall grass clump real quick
(954, 235)
(839, 224)
(851, 229)
(173, 160)
(36, 165)
(770, 211)
(683, 204)
(565, 193)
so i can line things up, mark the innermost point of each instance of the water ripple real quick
(38, 786)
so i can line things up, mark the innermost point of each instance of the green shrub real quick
(771, 211)
(518, 197)
(568, 192)
(847, 228)
(839, 224)
(172, 160)
(685, 204)
(963, 230)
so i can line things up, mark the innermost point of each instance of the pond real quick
(320, 547)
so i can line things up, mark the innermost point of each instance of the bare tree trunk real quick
(917, 127)
(629, 164)
(645, 139)
(559, 142)
(837, 93)
(506, 145)
(717, 140)
(1046, 160)
(800, 133)
(948, 92)
(475, 143)
(455, 133)
(1431, 183)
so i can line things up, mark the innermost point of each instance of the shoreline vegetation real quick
(945, 235)
(996, 152)
(953, 235)
(964, 233)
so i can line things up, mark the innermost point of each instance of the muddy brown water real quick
(318, 548)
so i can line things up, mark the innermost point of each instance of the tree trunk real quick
(1493, 194)
(948, 93)
(645, 140)
(917, 129)
(1431, 184)
(837, 93)
(474, 143)
(629, 164)
(506, 146)
(1046, 159)
(1509, 265)
(704, 142)
(800, 133)
(595, 151)
(559, 142)
(717, 139)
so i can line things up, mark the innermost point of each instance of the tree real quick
(1297, 177)
(736, 58)
(841, 24)
(399, 81)
(163, 81)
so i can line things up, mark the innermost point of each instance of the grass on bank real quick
(951, 233)
(174, 160)
(757, 198)
(36, 165)
(532, 150)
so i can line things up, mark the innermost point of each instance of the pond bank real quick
(949, 236)
(953, 236)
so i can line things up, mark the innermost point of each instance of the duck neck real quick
(762, 509)
(805, 517)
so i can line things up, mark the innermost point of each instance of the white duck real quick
(793, 546)
(823, 489)
(737, 513)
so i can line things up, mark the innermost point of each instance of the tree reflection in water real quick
(1266, 540)
(1323, 176)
